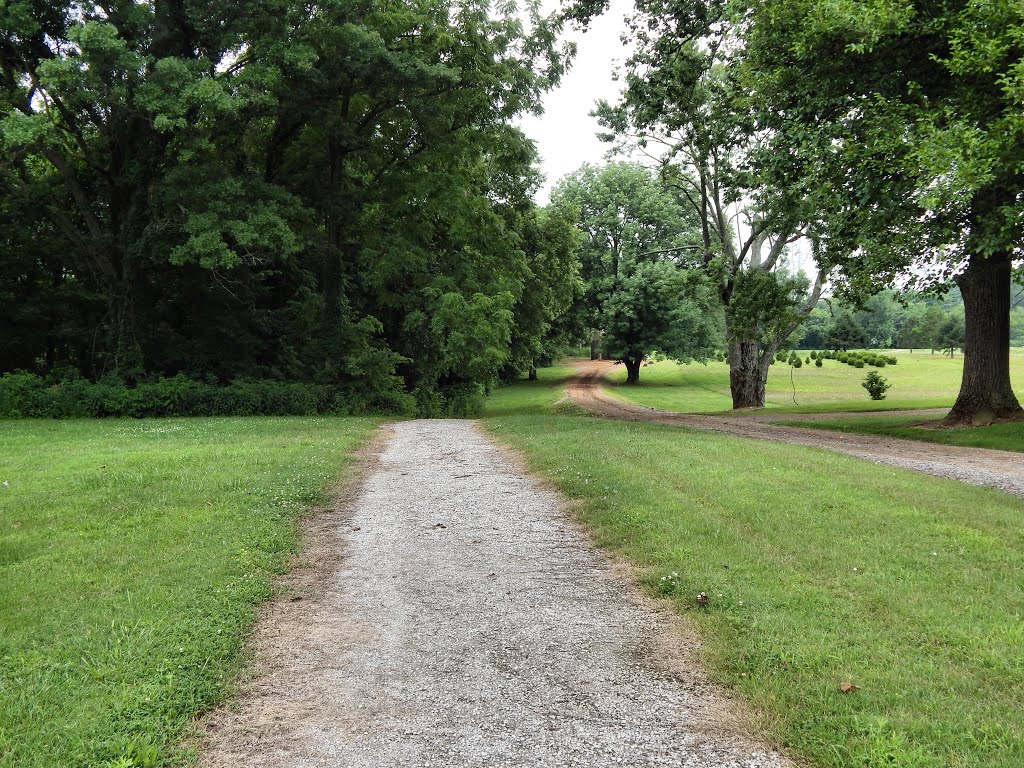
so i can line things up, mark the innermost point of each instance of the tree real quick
(903, 122)
(877, 318)
(637, 296)
(845, 332)
(657, 306)
(950, 335)
(331, 192)
(681, 97)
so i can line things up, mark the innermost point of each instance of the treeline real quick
(331, 194)
(896, 321)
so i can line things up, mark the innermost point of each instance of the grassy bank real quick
(919, 380)
(821, 569)
(131, 556)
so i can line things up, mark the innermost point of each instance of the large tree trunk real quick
(632, 370)
(985, 392)
(748, 373)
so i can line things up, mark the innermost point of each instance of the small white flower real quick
(6, 484)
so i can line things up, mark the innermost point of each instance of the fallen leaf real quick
(848, 687)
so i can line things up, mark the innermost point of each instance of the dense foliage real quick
(641, 293)
(330, 193)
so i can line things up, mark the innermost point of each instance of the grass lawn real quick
(132, 554)
(919, 380)
(544, 394)
(821, 569)
(1004, 437)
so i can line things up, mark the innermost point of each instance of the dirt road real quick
(452, 615)
(997, 469)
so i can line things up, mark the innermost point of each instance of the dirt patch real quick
(468, 622)
(1003, 470)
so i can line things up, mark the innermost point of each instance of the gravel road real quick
(1003, 470)
(450, 614)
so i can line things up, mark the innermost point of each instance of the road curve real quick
(1003, 470)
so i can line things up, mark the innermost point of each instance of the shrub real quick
(878, 362)
(876, 385)
(891, 360)
(796, 362)
(858, 363)
(808, 361)
(781, 356)
(813, 355)
(26, 395)
(818, 363)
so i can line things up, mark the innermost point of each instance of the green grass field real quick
(131, 556)
(1003, 437)
(919, 380)
(821, 569)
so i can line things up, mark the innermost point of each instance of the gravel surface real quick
(1003, 470)
(467, 622)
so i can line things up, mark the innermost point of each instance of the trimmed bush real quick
(858, 363)
(876, 385)
(818, 363)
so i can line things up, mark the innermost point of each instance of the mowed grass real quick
(546, 393)
(919, 380)
(132, 554)
(821, 569)
(1003, 437)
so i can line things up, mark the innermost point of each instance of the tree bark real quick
(748, 373)
(632, 370)
(985, 391)
(532, 376)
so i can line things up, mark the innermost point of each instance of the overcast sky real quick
(565, 133)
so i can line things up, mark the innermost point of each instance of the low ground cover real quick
(820, 570)
(132, 554)
(919, 380)
(1003, 437)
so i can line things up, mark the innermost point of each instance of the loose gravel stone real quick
(469, 623)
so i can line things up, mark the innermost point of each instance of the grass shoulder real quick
(1004, 437)
(132, 555)
(820, 569)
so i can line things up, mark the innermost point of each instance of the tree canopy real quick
(641, 293)
(330, 192)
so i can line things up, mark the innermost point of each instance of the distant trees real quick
(845, 333)
(640, 293)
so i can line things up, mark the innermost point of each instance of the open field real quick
(919, 380)
(821, 569)
(131, 556)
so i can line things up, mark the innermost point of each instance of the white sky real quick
(565, 133)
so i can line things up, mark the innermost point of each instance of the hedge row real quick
(27, 395)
